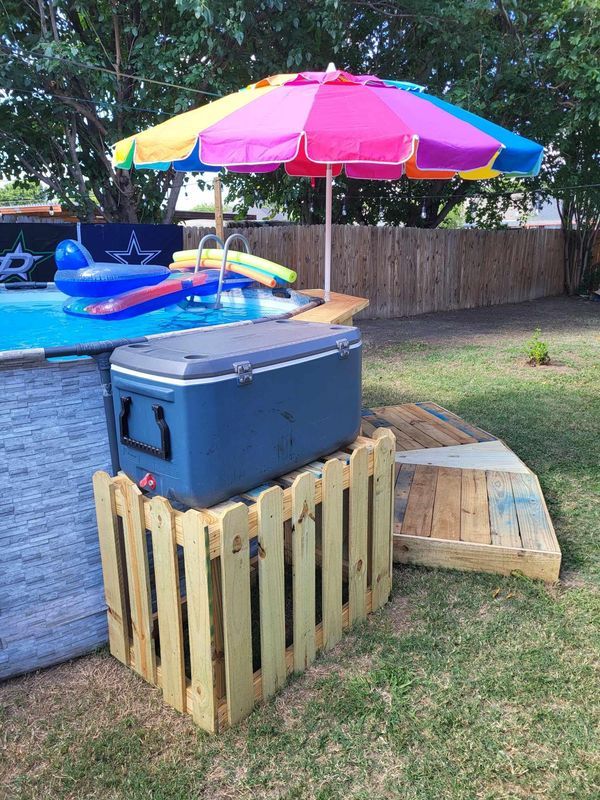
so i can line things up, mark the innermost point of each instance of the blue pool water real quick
(34, 318)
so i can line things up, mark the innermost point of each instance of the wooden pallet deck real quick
(338, 310)
(463, 499)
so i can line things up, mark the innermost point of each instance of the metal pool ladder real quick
(225, 249)
(228, 242)
(210, 237)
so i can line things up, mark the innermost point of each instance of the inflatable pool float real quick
(104, 280)
(79, 275)
(70, 254)
(178, 287)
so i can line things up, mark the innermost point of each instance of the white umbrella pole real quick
(328, 204)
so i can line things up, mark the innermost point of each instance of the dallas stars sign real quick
(17, 260)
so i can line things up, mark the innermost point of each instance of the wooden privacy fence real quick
(193, 610)
(408, 271)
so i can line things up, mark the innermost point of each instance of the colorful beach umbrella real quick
(317, 124)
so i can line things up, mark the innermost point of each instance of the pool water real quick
(34, 318)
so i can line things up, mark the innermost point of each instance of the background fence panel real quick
(408, 271)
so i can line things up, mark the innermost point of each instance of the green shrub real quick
(537, 350)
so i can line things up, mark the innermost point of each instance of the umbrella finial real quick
(331, 67)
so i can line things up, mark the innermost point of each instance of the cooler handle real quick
(164, 451)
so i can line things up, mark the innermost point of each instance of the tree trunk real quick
(176, 185)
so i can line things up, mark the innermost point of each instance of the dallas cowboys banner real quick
(133, 244)
(27, 249)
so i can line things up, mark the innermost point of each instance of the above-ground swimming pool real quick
(54, 437)
(34, 318)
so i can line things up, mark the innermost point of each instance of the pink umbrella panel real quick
(318, 123)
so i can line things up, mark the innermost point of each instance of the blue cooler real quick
(206, 415)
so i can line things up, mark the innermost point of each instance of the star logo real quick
(141, 256)
(16, 261)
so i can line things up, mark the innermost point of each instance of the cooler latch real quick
(343, 346)
(243, 370)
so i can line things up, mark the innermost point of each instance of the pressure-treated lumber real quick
(140, 592)
(271, 580)
(235, 572)
(168, 602)
(462, 498)
(303, 565)
(201, 645)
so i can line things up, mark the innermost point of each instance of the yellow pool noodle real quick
(236, 256)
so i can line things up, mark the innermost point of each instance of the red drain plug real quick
(148, 482)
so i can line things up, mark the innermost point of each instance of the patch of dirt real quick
(82, 698)
(556, 316)
(552, 366)
(398, 613)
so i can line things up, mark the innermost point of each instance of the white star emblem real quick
(142, 256)
(24, 261)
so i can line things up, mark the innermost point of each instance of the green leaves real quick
(528, 65)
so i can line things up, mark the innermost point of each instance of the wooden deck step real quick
(481, 455)
(463, 499)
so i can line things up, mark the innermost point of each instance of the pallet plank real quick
(404, 422)
(200, 629)
(383, 470)
(138, 574)
(493, 455)
(534, 527)
(419, 508)
(112, 566)
(476, 557)
(303, 568)
(358, 525)
(332, 552)
(401, 493)
(271, 583)
(474, 510)
(446, 517)
(438, 428)
(168, 602)
(237, 632)
(447, 416)
(504, 525)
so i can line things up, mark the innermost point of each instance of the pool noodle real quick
(247, 271)
(237, 256)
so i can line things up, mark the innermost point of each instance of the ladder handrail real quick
(228, 241)
(209, 237)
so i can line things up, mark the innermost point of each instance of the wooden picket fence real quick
(184, 608)
(408, 271)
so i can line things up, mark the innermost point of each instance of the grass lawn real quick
(464, 686)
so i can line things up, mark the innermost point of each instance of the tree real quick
(570, 68)
(464, 51)
(530, 65)
(577, 185)
(20, 193)
(83, 75)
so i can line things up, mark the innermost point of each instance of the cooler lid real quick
(210, 352)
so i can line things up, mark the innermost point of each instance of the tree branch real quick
(176, 185)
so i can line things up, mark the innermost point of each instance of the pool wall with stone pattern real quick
(53, 438)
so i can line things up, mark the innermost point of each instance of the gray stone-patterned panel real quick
(52, 439)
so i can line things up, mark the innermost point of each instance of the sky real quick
(191, 195)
